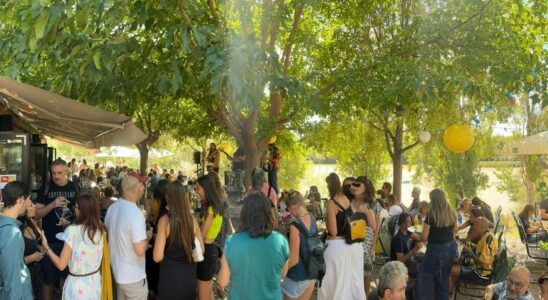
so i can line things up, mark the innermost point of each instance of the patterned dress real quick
(85, 258)
(367, 244)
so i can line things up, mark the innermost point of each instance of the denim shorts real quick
(294, 289)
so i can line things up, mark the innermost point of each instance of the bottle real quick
(416, 222)
(459, 219)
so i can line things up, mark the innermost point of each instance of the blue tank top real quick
(298, 272)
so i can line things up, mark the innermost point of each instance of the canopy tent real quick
(66, 119)
(530, 145)
(126, 152)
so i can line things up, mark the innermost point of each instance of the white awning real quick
(66, 119)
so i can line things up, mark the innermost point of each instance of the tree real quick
(97, 52)
(359, 150)
(403, 61)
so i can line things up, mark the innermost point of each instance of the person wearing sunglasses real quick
(347, 183)
(361, 196)
(516, 286)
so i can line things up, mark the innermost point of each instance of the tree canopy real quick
(380, 70)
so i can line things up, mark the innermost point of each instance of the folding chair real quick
(483, 281)
(533, 250)
(384, 257)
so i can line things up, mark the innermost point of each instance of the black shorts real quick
(50, 271)
(208, 266)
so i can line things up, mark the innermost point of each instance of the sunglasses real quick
(357, 184)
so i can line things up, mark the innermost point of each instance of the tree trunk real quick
(397, 161)
(529, 185)
(143, 156)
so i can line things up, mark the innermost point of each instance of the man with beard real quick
(55, 205)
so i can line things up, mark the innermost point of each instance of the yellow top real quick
(215, 227)
(486, 249)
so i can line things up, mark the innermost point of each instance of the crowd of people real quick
(177, 244)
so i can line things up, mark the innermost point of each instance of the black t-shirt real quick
(48, 193)
(400, 244)
(238, 165)
(438, 235)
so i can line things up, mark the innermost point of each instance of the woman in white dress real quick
(82, 251)
(344, 262)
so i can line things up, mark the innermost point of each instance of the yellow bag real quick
(354, 225)
(106, 276)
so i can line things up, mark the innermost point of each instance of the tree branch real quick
(375, 126)
(234, 107)
(470, 18)
(319, 93)
(291, 40)
(388, 144)
(267, 9)
(410, 146)
(383, 122)
(221, 115)
(213, 9)
(280, 122)
(275, 28)
(182, 9)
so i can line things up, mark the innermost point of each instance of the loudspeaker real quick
(6, 123)
(197, 157)
(35, 138)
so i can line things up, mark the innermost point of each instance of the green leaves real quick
(41, 22)
(97, 60)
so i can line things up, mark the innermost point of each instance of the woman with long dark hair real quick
(439, 230)
(212, 212)
(158, 208)
(33, 252)
(535, 232)
(226, 228)
(173, 247)
(359, 203)
(255, 258)
(343, 262)
(82, 251)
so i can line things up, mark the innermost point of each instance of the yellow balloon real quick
(458, 138)
(223, 146)
(272, 140)
(529, 78)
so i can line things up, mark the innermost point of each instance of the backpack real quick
(315, 264)
(354, 225)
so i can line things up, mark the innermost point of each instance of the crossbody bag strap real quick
(338, 204)
(344, 211)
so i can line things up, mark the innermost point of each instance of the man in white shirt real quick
(128, 239)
